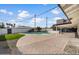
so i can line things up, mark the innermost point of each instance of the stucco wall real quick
(3, 31)
(14, 30)
(20, 30)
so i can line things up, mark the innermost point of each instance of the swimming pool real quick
(37, 33)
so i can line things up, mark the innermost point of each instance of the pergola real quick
(71, 11)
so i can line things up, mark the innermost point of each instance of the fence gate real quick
(9, 31)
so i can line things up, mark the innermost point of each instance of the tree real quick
(2, 25)
(38, 29)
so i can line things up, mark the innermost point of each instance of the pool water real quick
(40, 33)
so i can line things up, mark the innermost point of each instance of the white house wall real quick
(20, 30)
(3, 31)
(15, 30)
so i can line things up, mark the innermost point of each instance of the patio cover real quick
(72, 11)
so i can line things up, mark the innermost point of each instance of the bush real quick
(2, 38)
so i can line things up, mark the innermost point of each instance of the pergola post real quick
(56, 31)
(56, 28)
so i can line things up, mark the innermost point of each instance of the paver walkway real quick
(43, 44)
(4, 48)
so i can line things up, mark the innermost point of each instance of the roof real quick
(63, 23)
(23, 27)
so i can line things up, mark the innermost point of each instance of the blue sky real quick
(21, 14)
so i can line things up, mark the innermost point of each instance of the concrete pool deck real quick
(43, 44)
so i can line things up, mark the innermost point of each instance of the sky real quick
(22, 14)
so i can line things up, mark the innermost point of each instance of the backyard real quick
(51, 29)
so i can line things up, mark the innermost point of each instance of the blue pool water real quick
(36, 33)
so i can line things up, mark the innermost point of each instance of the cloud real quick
(56, 18)
(19, 18)
(19, 10)
(23, 14)
(4, 11)
(56, 11)
(20, 24)
(38, 20)
(11, 21)
(10, 13)
(53, 21)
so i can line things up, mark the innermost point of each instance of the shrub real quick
(2, 38)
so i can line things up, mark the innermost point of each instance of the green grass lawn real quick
(10, 36)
